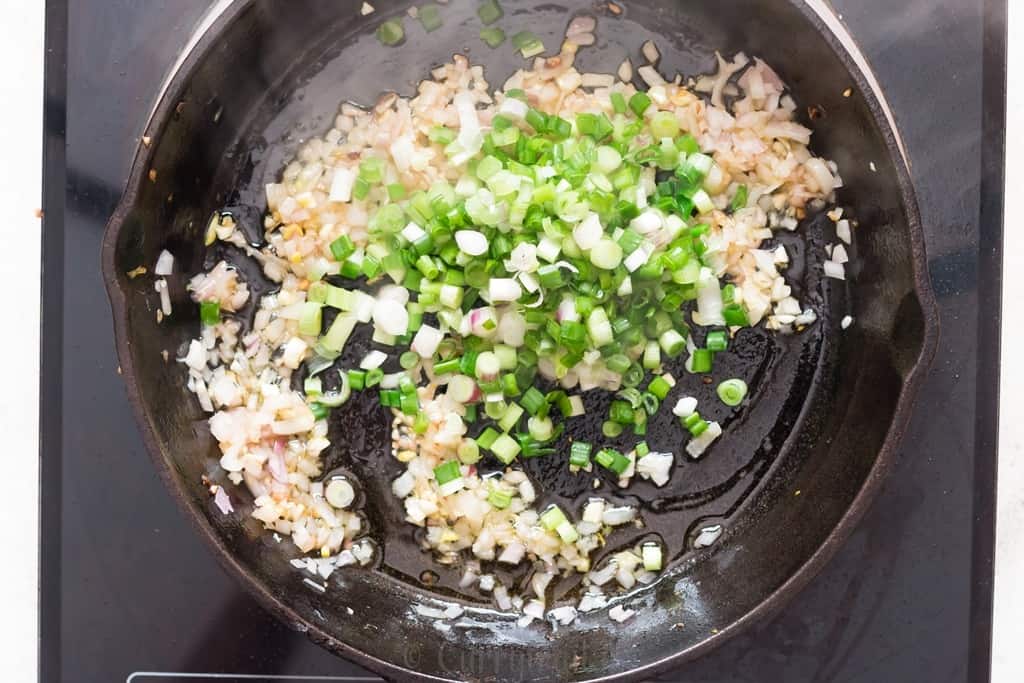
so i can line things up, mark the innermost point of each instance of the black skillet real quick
(796, 467)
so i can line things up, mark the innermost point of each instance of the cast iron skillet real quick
(789, 479)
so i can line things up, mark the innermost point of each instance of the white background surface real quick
(20, 172)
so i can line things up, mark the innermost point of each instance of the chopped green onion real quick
(510, 417)
(317, 292)
(528, 44)
(468, 452)
(672, 343)
(310, 319)
(639, 103)
(312, 387)
(505, 448)
(391, 32)
(540, 428)
(664, 125)
(534, 402)
(493, 37)
(701, 361)
(396, 192)
(490, 11)
(446, 472)
(361, 187)
(716, 341)
(660, 387)
(499, 499)
(621, 412)
(357, 379)
(371, 169)
(739, 200)
(334, 399)
(441, 135)
(552, 518)
(430, 17)
(642, 449)
(735, 315)
(579, 453)
(611, 429)
(373, 377)
(652, 556)
(342, 248)
(446, 367)
(732, 391)
(488, 437)
(209, 313)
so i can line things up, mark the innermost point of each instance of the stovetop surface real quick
(128, 587)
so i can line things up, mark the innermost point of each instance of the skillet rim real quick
(846, 51)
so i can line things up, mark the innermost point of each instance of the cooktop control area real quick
(130, 593)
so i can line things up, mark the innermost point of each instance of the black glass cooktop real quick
(128, 588)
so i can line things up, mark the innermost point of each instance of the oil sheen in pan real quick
(780, 369)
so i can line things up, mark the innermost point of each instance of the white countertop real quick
(20, 134)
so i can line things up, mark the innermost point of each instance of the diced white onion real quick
(650, 76)
(592, 601)
(563, 616)
(341, 185)
(620, 613)
(512, 553)
(685, 407)
(843, 231)
(656, 467)
(164, 263)
(165, 296)
(374, 359)
(625, 71)
(615, 516)
(501, 597)
(650, 51)
(403, 485)
(821, 174)
(707, 536)
(834, 270)
(591, 80)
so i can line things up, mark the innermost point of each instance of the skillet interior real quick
(827, 404)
